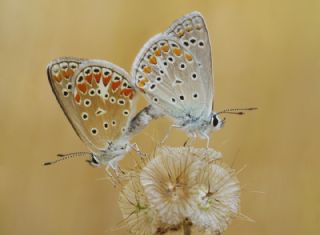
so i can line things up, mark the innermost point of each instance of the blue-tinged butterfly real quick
(174, 71)
(99, 101)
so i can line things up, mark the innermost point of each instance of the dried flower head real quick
(217, 199)
(169, 180)
(178, 185)
(138, 216)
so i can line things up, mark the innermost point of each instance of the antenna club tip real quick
(47, 163)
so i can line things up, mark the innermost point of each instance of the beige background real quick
(266, 54)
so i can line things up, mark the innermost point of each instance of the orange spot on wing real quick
(77, 98)
(142, 82)
(115, 85)
(57, 78)
(188, 57)
(165, 48)
(89, 78)
(147, 69)
(153, 60)
(97, 77)
(177, 51)
(68, 73)
(106, 80)
(126, 91)
(157, 52)
(131, 95)
(180, 33)
(82, 87)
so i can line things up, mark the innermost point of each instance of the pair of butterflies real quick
(174, 72)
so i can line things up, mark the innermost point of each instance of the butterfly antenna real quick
(237, 111)
(63, 157)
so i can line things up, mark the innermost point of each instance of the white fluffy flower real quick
(217, 200)
(169, 180)
(138, 216)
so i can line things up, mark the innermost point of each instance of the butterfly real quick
(174, 71)
(99, 102)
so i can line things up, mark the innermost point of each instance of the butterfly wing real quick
(100, 103)
(173, 74)
(192, 32)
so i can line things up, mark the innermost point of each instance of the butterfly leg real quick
(135, 147)
(168, 133)
(190, 140)
(208, 139)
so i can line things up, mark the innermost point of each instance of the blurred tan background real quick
(266, 54)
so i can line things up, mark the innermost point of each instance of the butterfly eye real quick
(94, 161)
(215, 121)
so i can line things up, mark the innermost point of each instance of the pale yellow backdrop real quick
(266, 54)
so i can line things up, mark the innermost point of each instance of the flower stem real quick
(186, 227)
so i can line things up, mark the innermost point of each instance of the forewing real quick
(170, 75)
(192, 33)
(100, 103)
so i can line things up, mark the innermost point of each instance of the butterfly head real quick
(94, 161)
(216, 122)
(114, 151)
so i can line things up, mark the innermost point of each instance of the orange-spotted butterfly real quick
(174, 71)
(99, 101)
